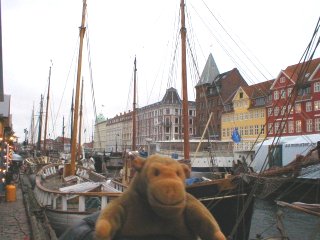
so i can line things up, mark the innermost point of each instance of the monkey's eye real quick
(156, 172)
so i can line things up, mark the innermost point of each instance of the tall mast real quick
(40, 124)
(76, 107)
(80, 121)
(134, 114)
(47, 114)
(63, 134)
(72, 110)
(32, 127)
(185, 117)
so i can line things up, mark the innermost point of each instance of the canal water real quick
(297, 225)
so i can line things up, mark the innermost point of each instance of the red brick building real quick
(212, 91)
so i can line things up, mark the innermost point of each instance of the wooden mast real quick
(80, 121)
(185, 117)
(40, 124)
(47, 114)
(76, 107)
(134, 114)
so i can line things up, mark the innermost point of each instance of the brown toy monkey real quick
(156, 203)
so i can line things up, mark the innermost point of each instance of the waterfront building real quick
(113, 134)
(162, 121)
(212, 91)
(245, 112)
(294, 102)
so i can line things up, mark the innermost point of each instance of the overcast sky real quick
(271, 34)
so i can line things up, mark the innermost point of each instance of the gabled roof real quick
(258, 90)
(171, 96)
(210, 71)
(306, 68)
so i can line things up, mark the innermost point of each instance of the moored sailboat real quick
(65, 189)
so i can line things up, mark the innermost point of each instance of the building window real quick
(289, 92)
(290, 126)
(176, 129)
(269, 111)
(290, 109)
(276, 128)
(283, 127)
(283, 93)
(190, 112)
(190, 121)
(251, 130)
(256, 129)
(241, 95)
(298, 126)
(276, 111)
(283, 110)
(309, 125)
(317, 87)
(308, 106)
(276, 95)
(167, 110)
(298, 107)
(282, 79)
(316, 105)
(246, 130)
(270, 128)
(317, 124)
(262, 129)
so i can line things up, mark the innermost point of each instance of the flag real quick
(235, 135)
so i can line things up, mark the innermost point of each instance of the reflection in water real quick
(297, 225)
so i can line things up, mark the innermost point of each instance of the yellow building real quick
(246, 112)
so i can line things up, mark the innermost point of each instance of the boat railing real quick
(58, 200)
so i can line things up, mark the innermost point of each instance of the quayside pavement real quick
(14, 222)
(24, 219)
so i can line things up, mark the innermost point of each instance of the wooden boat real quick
(66, 190)
(228, 199)
(297, 181)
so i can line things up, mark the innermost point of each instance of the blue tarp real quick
(190, 181)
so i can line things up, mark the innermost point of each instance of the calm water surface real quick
(298, 226)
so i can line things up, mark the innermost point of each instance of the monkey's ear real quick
(138, 163)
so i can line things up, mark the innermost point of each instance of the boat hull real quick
(231, 208)
(62, 220)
